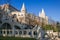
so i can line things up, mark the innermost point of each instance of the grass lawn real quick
(15, 38)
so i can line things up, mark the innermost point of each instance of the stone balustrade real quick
(18, 33)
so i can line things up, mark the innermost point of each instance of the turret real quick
(42, 13)
(23, 8)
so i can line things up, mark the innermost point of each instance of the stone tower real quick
(42, 14)
(23, 14)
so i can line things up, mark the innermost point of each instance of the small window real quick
(10, 32)
(20, 32)
(25, 32)
(30, 33)
(12, 20)
(14, 16)
(35, 33)
(17, 20)
(6, 19)
(17, 27)
(0, 31)
(21, 14)
(16, 32)
(18, 14)
(7, 32)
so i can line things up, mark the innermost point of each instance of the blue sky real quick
(51, 7)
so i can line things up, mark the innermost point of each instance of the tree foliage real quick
(50, 27)
(47, 27)
(58, 26)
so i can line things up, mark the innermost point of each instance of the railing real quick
(18, 33)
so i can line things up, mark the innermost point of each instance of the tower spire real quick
(42, 14)
(43, 10)
(23, 8)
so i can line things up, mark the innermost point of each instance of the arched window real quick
(20, 32)
(24, 32)
(16, 32)
(30, 33)
(14, 16)
(6, 26)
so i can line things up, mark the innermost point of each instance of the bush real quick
(15, 38)
(47, 27)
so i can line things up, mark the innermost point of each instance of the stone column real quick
(6, 32)
(32, 34)
(27, 31)
(22, 33)
(2, 32)
(18, 32)
(13, 31)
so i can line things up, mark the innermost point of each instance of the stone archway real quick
(5, 29)
(6, 26)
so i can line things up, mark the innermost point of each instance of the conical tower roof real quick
(23, 8)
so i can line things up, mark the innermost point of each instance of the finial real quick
(42, 10)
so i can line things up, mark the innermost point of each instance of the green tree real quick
(58, 26)
(47, 27)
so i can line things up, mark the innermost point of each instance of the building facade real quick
(19, 23)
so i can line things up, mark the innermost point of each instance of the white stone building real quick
(20, 23)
